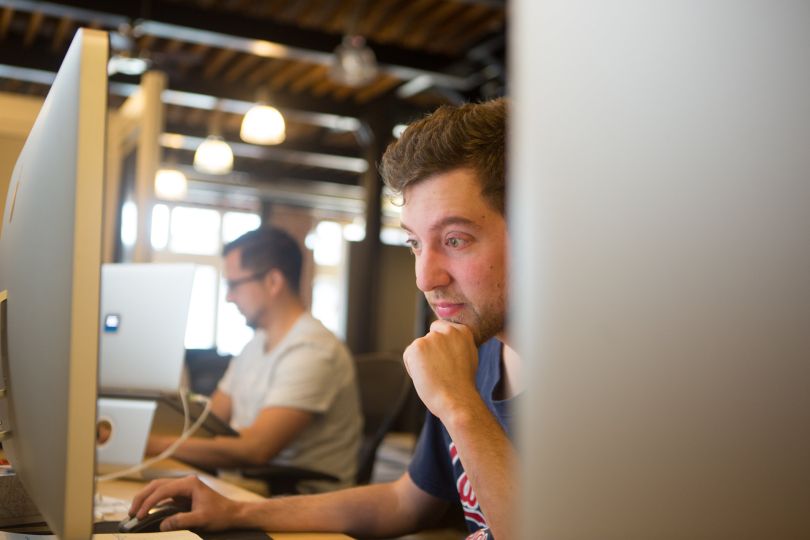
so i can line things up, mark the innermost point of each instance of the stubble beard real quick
(254, 321)
(484, 323)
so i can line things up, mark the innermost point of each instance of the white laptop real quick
(144, 311)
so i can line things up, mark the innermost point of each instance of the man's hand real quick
(209, 509)
(442, 365)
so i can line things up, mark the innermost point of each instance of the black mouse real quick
(151, 522)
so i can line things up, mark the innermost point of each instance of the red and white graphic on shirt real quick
(480, 534)
(469, 502)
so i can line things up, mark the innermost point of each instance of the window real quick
(195, 230)
(202, 310)
(328, 286)
(329, 244)
(235, 224)
(160, 226)
(185, 233)
(129, 224)
(232, 332)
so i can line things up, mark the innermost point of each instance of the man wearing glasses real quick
(291, 394)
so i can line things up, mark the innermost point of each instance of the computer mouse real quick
(151, 522)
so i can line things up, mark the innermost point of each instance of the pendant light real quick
(263, 124)
(214, 155)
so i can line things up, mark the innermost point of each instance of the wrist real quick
(245, 514)
(462, 413)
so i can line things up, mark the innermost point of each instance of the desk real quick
(126, 489)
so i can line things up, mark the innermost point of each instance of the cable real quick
(187, 432)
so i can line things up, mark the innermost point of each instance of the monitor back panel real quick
(50, 258)
(144, 311)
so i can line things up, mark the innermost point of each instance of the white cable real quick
(187, 432)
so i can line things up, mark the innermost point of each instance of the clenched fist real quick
(442, 365)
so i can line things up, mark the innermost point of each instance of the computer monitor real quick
(144, 314)
(660, 228)
(50, 264)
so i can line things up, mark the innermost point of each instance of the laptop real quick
(144, 311)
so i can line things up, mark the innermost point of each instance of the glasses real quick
(232, 284)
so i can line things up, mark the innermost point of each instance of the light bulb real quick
(213, 156)
(354, 62)
(263, 124)
(170, 184)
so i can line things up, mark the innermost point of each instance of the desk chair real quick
(384, 386)
(205, 368)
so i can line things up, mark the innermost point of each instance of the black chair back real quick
(384, 386)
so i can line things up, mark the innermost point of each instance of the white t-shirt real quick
(310, 369)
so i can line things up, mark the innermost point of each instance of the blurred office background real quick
(345, 76)
(612, 84)
(186, 172)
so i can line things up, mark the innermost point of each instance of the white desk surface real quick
(126, 489)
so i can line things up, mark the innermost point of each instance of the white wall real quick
(661, 221)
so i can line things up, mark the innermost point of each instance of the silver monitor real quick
(660, 207)
(50, 264)
(144, 314)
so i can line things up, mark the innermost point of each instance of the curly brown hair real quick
(471, 136)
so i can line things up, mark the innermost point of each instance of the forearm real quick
(273, 430)
(379, 510)
(489, 460)
(215, 453)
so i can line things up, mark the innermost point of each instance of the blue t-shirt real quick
(436, 467)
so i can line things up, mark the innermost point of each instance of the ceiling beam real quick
(262, 37)
(269, 170)
(501, 4)
(41, 64)
(284, 190)
(287, 145)
(192, 100)
(282, 100)
(322, 160)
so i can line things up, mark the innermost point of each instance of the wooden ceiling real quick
(429, 52)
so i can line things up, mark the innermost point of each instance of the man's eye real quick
(412, 243)
(455, 242)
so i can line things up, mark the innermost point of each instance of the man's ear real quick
(275, 281)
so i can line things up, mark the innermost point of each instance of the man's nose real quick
(431, 271)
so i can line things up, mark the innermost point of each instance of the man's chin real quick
(460, 320)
